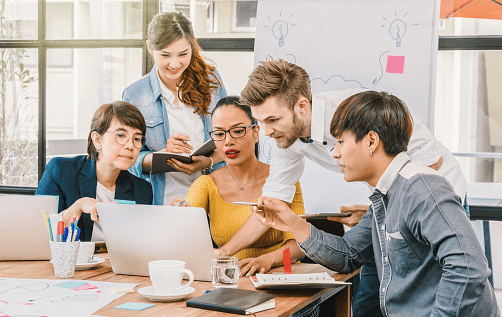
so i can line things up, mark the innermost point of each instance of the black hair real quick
(235, 101)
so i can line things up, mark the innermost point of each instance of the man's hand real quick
(275, 213)
(357, 212)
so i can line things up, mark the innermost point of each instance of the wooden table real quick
(288, 302)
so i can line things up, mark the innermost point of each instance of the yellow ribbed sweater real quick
(227, 218)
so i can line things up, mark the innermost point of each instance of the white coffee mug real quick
(85, 252)
(166, 276)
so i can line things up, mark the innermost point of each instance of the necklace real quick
(242, 187)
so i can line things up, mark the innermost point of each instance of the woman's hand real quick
(83, 205)
(198, 163)
(177, 143)
(219, 252)
(178, 202)
(261, 264)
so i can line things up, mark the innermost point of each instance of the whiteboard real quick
(388, 45)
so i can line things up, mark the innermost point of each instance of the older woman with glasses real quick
(114, 142)
(236, 137)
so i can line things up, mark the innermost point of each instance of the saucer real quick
(85, 266)
(149, 292)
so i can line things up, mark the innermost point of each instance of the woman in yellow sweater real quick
(236, 137)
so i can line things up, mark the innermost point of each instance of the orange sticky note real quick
(287, 261)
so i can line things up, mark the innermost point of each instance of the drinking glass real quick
(225, 272)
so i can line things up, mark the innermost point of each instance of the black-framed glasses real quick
(236, 133)
(122, 137)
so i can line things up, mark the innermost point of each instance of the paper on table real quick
(48, 298)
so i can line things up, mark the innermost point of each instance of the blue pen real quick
(65, 234)
(78, 234)
(72, 231)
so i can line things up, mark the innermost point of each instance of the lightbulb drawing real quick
(280, 31)
(280, 28)
(397, 30)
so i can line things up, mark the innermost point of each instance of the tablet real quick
(326, 215)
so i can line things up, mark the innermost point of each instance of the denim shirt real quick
(428, 258)
(146, 95)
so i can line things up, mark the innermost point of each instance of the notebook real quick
(234, 301)
(23, 232)
(159, 159)
(138, 234)
(294, 281)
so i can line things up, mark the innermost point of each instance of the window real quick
(49, 91)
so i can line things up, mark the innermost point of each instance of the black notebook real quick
(234, 301)
(159, 159)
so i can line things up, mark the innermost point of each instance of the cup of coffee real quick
(166, 276)
(85, 252)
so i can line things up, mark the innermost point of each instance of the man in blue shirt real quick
(428, 258)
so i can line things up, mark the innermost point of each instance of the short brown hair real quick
(125, 113)
(198, 80)
(277, 78)
(375, 111)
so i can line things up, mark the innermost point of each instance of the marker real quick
(59, 236)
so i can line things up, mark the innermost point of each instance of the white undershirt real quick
(103, 195)
(182, 120)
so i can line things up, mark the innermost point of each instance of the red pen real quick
(59, 236)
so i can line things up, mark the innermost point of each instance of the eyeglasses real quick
(122, 137)
(236, 133)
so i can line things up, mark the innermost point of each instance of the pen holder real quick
(64, 258)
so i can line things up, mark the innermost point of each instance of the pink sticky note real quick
(395, 64)
(85, 287)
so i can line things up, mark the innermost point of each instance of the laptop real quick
(23, 232)
(138, 234)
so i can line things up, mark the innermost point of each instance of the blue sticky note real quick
(134, 306)
(124, 202)
(71, 284)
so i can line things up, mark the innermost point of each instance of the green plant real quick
(18, 154)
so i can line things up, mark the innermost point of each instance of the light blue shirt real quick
(146, 95)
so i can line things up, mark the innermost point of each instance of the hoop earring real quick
(97, 151)
(371, 152)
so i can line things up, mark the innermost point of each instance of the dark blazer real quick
(74, 178)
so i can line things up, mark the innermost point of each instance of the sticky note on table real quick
(71, 284)
(395, 64)
(134, 306)
(85, 287)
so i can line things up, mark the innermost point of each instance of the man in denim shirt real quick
(428, 258)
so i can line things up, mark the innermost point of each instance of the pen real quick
(65, 234)
(78, 234)
(174, 132)
(59, 236)
(47, 224)
(245, 203)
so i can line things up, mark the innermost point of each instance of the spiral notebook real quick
(295, 281)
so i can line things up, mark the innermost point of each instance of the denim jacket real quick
(145, 94)
(428, 258)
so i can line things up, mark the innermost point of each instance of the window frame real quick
(150, 8)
